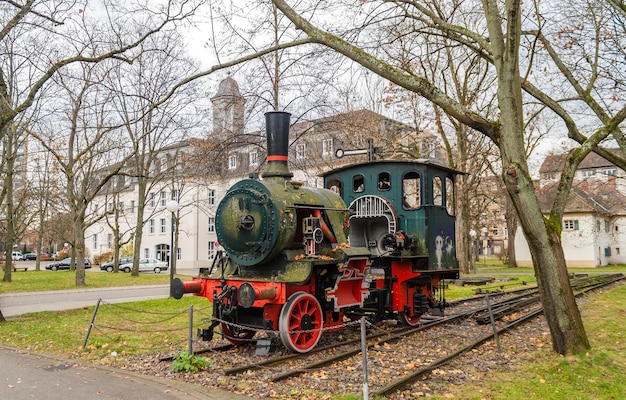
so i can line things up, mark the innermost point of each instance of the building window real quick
(597, 225)
(254, 158)
(175, 194)
(570, 224)
(151, 226)
(300, 151)
(588, 174)
(110, 240)
(211, 197)
(163, 225)
(495, 231)
(211, 224)
(232, 162)
(151, 199)
(131, 208)
(162, 199)
(327, 147)
(211, 250)
(617, 251)
(146, 253)
(95, 241)
(609, 171)
(120, 206)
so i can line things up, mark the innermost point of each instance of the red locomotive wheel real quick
(300, 322)
(236, 336)
(410, 321)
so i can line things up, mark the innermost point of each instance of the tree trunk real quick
(511, 225)
(9, 236)
(464, 245)
(141, 205)
(543, 236)
(79, 249)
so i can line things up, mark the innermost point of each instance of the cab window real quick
(384, 181)
(450, 195)
(358, 183)
(411, 190)
(336, 186)
(437, 192)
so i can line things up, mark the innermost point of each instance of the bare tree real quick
(82, 148)
(44, 194)
(157, 133)
(42, 39)
(500, 45)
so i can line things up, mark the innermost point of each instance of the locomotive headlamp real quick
(246, 295)
(247, 222)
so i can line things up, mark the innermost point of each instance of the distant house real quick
(594, 221)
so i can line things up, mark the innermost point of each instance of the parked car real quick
(108, 266)
(65, 264)
(146, 265)
(17, 256)
(30, 256)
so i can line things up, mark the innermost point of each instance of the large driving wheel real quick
(408, 320)
(236, 335)
(300, 322)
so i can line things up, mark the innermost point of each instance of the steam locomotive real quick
(376, 241)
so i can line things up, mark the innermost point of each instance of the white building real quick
(594, 221)
(205, 170)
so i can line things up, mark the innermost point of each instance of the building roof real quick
(555, 162)
(228, 87)
(590, 195)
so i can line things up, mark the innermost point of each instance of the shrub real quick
(189, 363)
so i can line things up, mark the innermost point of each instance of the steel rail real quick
(400, 383)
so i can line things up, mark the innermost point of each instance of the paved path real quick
(25, 375)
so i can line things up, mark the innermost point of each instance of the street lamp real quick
(472, 233)
(484, 234)
(172, 207)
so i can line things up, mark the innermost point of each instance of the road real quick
(15, 304)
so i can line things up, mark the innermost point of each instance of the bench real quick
(15, 269)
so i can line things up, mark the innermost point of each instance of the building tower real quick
(228, 109)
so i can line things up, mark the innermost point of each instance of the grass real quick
(33, 281)
(124, 330)
(598, 374)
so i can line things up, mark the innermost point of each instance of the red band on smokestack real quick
(277, 158)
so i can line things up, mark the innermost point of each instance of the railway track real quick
(387, 349)
(397, 359)
(580, 286)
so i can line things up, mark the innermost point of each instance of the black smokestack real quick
(277, 131)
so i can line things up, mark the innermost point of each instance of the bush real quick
(103, 257)
(189, 363)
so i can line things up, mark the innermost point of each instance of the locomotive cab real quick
(403, 213)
